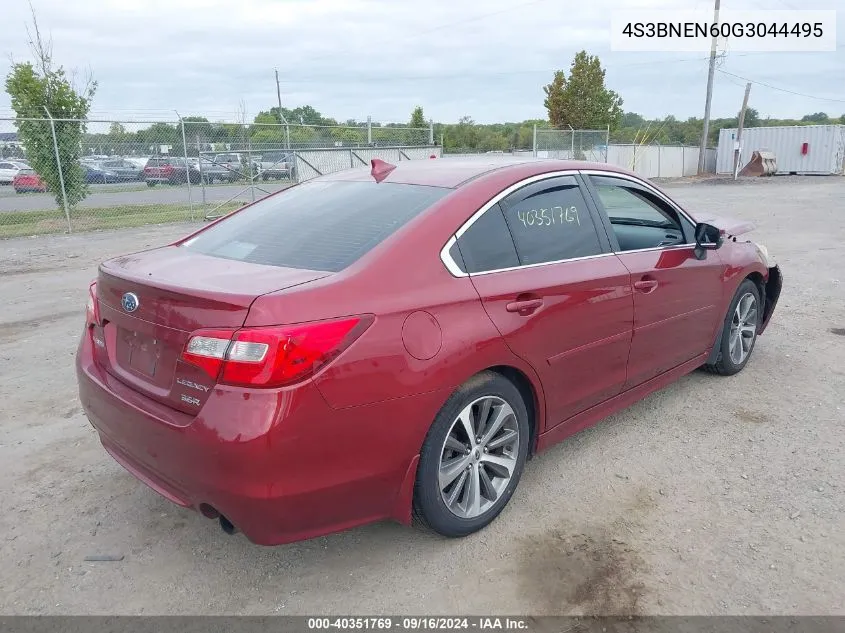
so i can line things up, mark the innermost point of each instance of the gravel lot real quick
(713, 496)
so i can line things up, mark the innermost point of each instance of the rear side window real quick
(550, 221)
(318, 225)
(487, 243)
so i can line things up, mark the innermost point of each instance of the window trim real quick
(456, 271)
(450, 263)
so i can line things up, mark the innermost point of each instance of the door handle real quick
(524, 307)
(645, 285)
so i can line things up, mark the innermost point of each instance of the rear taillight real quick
(272, 356)
(92, 310)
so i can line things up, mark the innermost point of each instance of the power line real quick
(778, 88)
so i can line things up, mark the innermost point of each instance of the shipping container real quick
(798, 149)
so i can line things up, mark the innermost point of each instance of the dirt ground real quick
(714, 496)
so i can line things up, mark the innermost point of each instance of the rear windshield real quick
(319, 225)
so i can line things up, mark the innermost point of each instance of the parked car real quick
(273, 371)
(277, 165)
(26, 180)
(123, 170)
(9, 169)
(139, 162)
(237, 164)
(97, 172)
(171, 171)
(212, 172)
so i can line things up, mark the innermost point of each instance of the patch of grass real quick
(23, 223)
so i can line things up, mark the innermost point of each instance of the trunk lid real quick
(151, 302)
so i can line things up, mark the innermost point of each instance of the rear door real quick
(676, 296)
(559, 298)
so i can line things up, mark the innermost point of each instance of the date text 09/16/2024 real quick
(416, 623)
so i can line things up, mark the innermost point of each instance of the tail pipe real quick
(227, 526)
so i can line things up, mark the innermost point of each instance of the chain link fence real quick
(130, 173)
(99, 174)
(590, 145)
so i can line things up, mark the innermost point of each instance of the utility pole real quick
(706, 128)
(282, 116)
(278, 91)
(741, 125)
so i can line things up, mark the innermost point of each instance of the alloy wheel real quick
(479, 457)
(743, 328)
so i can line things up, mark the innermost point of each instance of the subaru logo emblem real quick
(130, 302)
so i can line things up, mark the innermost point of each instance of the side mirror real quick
(707, 238)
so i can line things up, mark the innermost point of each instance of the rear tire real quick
(473, 457)
(739, 331)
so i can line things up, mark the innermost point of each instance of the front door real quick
(676, 296)
(559, 298)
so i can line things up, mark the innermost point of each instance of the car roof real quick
(453, 172)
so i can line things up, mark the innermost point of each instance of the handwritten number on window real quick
(549, 217)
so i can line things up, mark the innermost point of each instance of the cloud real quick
(352, 58)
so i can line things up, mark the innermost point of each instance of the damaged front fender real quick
(774, 284)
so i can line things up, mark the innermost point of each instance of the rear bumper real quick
(281, 465)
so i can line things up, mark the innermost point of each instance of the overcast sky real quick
(351, 58)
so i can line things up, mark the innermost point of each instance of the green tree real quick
(752, 117)
(417, 118)
(631, 119)
(816, 117)
(41, 87)
(582, 100)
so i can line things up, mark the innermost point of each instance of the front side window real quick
(550, 221)
(639, 219)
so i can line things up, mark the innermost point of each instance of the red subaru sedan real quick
(396, 342)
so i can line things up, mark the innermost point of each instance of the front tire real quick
(473, 457)
(739, 332)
